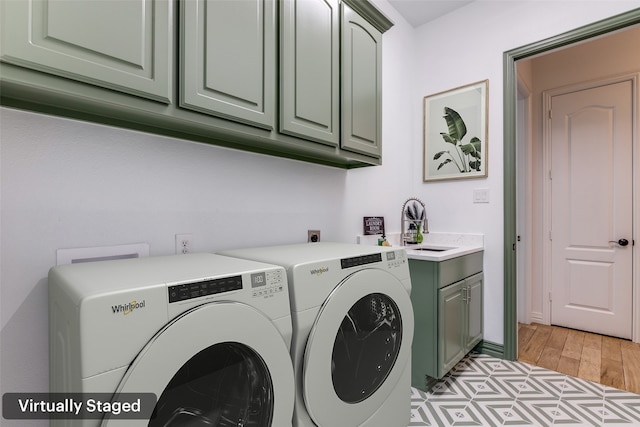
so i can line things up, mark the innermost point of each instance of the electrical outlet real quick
(184, 243)
(313, 236)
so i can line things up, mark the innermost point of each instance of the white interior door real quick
(592, 209)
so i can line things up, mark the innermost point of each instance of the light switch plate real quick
(481, 195)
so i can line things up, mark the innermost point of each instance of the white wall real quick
(70, 184)
(467, 46)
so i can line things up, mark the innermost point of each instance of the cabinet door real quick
(474, 297)
(309, 70)
(424, 298)
(451, 326)
(361, 85)
(228, 59)
(122, 45)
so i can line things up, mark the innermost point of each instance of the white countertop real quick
(456, 244)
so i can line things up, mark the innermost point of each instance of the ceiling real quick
(418, 12)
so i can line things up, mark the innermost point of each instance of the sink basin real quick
(434, 248)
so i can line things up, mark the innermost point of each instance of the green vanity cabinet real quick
(125, 46)
(447, 298)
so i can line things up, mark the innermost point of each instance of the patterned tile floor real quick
(485, 391)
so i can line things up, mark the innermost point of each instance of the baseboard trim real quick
(536, 317)
(490, 348)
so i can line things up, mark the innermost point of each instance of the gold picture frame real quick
(456, 132)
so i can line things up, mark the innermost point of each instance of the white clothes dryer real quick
(208, 335)
(352, 332)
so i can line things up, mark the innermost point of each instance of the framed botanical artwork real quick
(455, 133)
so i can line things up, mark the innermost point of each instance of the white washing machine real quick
(208, 335)
(352, 332)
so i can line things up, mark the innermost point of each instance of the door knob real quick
(621, 242)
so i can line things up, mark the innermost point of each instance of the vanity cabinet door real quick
(125, 46)
(451, 326)
(474, 297)
(228, 59)
(310, 70)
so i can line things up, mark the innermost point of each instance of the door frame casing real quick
(547, 207)
(510, 176)
(524, 249)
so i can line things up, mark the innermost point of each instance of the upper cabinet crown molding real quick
(369, 12)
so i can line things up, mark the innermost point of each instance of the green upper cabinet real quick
(310, 70)
(330, 73)
(292, 78)
(228, 59)
(361, 85)
(121, 45)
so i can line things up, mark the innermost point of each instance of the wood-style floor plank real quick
(549, 358)
(525, 332)
(573, 345)
(568, 366)
(631, 366)
(558, 338)
(610, 361)
(591, 358)
(612, 373)
(533, 349)
(611, 349)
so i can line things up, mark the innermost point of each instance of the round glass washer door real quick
(358, 348)
(219, 364)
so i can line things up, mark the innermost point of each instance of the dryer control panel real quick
(392, 259)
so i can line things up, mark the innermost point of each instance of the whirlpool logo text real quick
(319, 271)
(128, 307)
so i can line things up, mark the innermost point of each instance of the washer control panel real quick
(267, 283)
(396, 259)
(187, 291)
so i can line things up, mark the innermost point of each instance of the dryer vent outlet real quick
(313, 236)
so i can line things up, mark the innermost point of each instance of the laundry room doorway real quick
(524, 232)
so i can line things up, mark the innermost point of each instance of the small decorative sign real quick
(373, 225)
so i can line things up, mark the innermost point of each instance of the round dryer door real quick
(221, 364)
(358, 348)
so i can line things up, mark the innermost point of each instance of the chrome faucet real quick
(414, 213)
